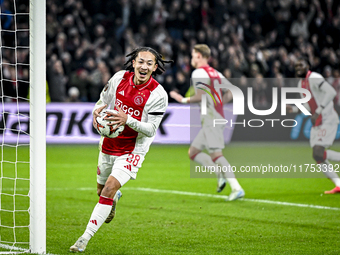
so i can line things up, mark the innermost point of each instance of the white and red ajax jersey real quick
(322, 95)
(144, 104)
(207, 78)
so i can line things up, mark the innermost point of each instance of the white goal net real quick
(23, 149)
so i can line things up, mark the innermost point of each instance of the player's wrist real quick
(185, 100)
(129, 119)
(294, 109)
(319, 109)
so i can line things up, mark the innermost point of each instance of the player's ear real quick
(154, 69)
(133, 63)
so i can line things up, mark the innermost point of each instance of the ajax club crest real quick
(139, 99)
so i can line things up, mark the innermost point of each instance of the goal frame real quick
(37, 17)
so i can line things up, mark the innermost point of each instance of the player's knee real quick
(192, 152)
(318, 154)
(111, 187)
(189, 155)
(108, 191)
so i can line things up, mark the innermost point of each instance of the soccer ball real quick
(105, 130)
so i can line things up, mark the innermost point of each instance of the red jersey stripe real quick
(213, 75)
(312, 103)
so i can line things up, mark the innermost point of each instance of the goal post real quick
(23, 126)
(37, 126)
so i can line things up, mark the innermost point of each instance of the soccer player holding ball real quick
(209, 137)
(140, 102)
(324, 118)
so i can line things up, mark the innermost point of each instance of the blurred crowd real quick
(255, 43)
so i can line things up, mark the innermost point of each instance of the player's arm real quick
(106, 96)
(99, 106)
(154, 118)
(328, 95)
(186, 100)
(227, 97)
(148, 128)
(295, 109)
(197, 75)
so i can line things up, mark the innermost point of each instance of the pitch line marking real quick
(177, 192)
(188, 193)
(15, 250)
(10, 247)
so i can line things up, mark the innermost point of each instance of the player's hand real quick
(118, 119)
(289, 108)
(314, 118)
(96, 114)
(178, 97)
(227, 97)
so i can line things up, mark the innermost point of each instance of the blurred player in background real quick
(324, 118)
(211, 138)
(141, 102)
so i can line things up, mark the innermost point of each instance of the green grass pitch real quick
(156, 216)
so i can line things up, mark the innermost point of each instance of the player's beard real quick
(302, 74)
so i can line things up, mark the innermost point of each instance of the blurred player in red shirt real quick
(209, 137)
(324, 118)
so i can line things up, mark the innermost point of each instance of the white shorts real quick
(210, 138)
(123, 168)
(323, 135)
